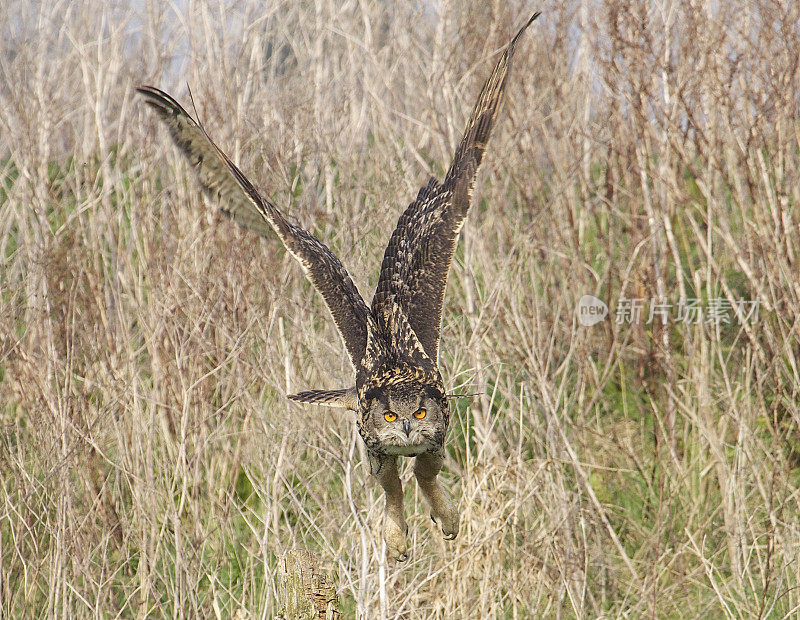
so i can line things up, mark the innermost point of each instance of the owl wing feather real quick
(417, 259)
(224, 182)
(344, 399)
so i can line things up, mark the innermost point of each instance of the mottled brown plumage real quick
(223, 182)
(394, 345)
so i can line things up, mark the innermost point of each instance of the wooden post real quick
(306, 589)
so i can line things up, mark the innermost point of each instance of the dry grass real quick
(150, 463)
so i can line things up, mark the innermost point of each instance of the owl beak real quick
(407, 427)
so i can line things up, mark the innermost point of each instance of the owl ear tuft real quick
(343, 399)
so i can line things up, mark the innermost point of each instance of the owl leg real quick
(384, 468)
(426, 469)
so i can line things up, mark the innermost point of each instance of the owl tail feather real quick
(345, 399)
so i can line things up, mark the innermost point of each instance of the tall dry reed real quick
(150, 464)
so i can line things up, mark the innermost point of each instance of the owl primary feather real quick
(398, 395)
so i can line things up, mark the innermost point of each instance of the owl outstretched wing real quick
(417, 259)
(239, 200)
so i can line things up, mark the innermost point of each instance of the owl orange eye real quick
(420, 413)
(390, 416)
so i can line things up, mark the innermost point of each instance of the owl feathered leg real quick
(384, 468)
(426, 469)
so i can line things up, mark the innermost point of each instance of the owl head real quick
(404, 419)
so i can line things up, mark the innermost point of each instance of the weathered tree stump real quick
(306, 588)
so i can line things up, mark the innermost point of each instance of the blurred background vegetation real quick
(149, 462)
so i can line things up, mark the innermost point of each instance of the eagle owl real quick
(399, 395)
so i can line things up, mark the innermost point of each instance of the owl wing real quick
(417, 259)
(239, 200)
(343, 399)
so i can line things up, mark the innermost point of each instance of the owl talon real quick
(448, 521)
(395, 538)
